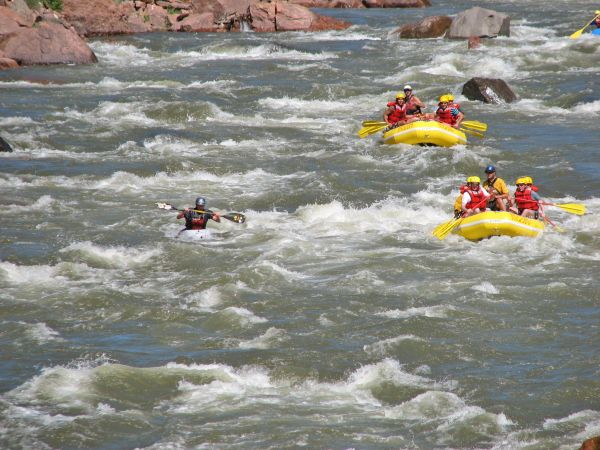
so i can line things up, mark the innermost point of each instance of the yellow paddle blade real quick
(367, 131)
(443, 230)
(475, 125)
(474, 133)
(580, 32)
(370, 123)
(573, 208)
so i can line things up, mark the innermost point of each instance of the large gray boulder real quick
(488, 90)
(479, 22)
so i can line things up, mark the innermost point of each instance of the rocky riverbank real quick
(32, 33)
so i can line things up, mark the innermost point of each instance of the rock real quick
(488, 90)
(21, 8)
(429, 27)
(97, 18)
(4, 146)
(157, 17)
(47, 43)
(396, 3)
(197, 22)
(10, 21)
(262, 17)
(8, 63)
(474, 42)
(479, 22)
(285, 16)
(329, 3)
(591, 444)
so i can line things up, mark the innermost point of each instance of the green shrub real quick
(55, 5)
(34, 4)
(172, 10)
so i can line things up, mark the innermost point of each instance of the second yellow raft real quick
(497, 223)
(425, 132)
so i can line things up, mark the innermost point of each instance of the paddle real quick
(556, 227)
(475, 125)
(580, 32)
(367, 131)
(443, 230)
(573, 208)
(474, 133)
(233, 216)
(370, 123)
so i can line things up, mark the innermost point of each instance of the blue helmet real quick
(490, 169)
(201, 201)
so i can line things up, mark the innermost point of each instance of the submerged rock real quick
(488, 90)
(4, 146)
(591, 444)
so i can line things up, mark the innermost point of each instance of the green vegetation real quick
(34, 4)
(172, 10)
(146, 18)
(55, 5)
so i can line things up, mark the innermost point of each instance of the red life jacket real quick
(534, 188)
(398, 114)
(525, 201)
(411, 108)
(463, 188)
(445, 115)
(454, 105)
(477, 199)
(195, 220)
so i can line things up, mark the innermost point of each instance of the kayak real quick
(425, 132)
(498, 223)
(596, 32)
(194, 235)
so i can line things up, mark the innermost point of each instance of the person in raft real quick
(474, 197)
(447, 114)
(500, 196)
(596, 20)
(396, 111)
(196, 218)
(451, 102)
(413, 104)
(527, 200)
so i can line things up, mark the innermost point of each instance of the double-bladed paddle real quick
(233, 216)
(573, 208)
(580, 32)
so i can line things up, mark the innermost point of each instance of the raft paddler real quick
(500, 196)
(197, 217)
(527, 201)
(474, 197)
(414, 105)
(447, 114)
(397, 111)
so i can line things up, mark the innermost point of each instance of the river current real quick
(332, 318)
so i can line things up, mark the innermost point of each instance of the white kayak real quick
(194, 235)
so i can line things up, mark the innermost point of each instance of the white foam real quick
(242, 316)
(269, 339)
(438, 311)
(111, 257)
(204, 301)
(381, 348)
(41, 333)
(485, 287)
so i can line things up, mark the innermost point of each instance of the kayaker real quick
(448, 115)
(413, 104)
(527, 201)
(396, 111)
(196, 218)
(474, 197)
(596, 21)
(500, 196)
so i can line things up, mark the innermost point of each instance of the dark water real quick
(332, 318)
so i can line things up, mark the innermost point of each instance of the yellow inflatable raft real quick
(497, 223)
(425, 132)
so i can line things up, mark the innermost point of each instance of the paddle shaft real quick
(234, 217)
(580, 31)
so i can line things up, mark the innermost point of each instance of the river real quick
(332, 318)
